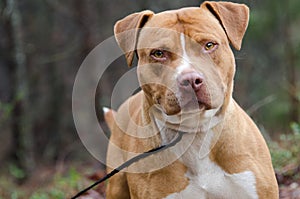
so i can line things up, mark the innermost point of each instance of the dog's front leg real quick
(117, 187)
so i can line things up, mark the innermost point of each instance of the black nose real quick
(190, 79)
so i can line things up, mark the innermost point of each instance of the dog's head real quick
(184, 59)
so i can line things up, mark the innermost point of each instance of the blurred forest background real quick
(42, 45)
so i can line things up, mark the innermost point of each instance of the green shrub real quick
(287, 150)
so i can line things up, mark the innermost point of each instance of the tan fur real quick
(133, 21)
(233, 19)
(236, 145)
(240, 147)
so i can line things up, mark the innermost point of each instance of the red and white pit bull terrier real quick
(186, 70)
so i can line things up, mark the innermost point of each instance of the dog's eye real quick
(158, 55)
(210, 46)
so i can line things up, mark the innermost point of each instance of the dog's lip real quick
(192, 103)
(195, 106)
(194, 100)
(204, 104)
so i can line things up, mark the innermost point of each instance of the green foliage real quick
(296, 128)
(38, 195)
(16, 172)
(287, 150)
(5, 111)
(15, 195)
(63, 185)
(60, 187)
(8, 189)
(71, 180)
(52, 193)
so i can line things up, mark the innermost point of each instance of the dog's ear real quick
(233, 17)
(126, 32)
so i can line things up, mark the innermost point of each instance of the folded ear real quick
(233, 17)
(126, 32)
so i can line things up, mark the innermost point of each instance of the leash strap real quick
(130, 162)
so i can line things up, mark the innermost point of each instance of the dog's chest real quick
(208, 180)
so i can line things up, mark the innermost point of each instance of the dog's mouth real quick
(195, 104)
(172, 104)
(194, 100)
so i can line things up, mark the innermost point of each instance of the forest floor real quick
(289, 182)
(68, 176)
(64, 181)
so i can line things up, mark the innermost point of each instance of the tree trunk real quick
(22, 151)
(291, 71)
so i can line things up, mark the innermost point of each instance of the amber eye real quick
(158, 55)
(210, 45)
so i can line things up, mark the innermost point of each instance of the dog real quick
(186, 69)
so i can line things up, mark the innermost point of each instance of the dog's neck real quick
(201, 135)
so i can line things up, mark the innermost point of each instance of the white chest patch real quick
(216, 183)
(207, 180)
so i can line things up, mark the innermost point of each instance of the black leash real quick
(130, 162)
